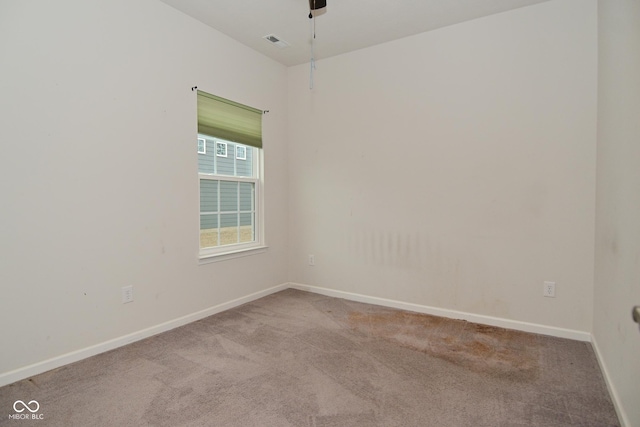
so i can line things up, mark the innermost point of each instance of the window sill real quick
(209, 258)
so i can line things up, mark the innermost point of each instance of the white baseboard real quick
(487, 320)
(622, 415)
(451, 314)
(56, 362)
(65, 359)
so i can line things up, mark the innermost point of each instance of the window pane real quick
(206, 161)
(221, 220)
(228, 229)
(246, 227)
(208, 195)
(224, 157)
(228, 196)
(225, 164)
(245, 167)
(208, 221)
(208, 230)
(229, 220)
(246, 196)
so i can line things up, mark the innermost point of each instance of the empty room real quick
(310, 213)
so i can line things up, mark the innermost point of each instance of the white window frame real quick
(242, 148)
(204, 146)
(221, 144)
(220, 253)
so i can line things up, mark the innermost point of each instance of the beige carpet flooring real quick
(301, 359)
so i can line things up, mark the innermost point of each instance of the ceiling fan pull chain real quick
(312, 63)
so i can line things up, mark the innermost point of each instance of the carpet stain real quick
(501, 353)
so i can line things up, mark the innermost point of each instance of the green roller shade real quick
(224, 119)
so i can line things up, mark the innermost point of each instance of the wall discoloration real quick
(502, 353)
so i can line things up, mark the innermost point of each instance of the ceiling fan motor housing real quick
(317, 4)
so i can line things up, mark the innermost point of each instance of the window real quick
(202, 146)
(221, 149)
(230, 185)
(241, 152)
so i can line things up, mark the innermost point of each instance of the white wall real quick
(98, 171)
(455, 168)
(617, 272)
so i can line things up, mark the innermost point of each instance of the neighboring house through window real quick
(229, 176)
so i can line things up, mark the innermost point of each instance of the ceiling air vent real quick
(275, 40)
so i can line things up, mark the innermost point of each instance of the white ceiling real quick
(344, 26)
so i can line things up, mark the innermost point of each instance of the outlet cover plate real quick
(127, 294)
(549, 289)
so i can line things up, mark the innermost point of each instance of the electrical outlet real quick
(127, 294)
(312, 260)
(549, 289)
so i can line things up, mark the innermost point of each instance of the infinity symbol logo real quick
(26, 406)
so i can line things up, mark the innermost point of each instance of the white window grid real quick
(221, 149)
(258, 208)
(241, 152)
(219, 212)
(202, 146)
